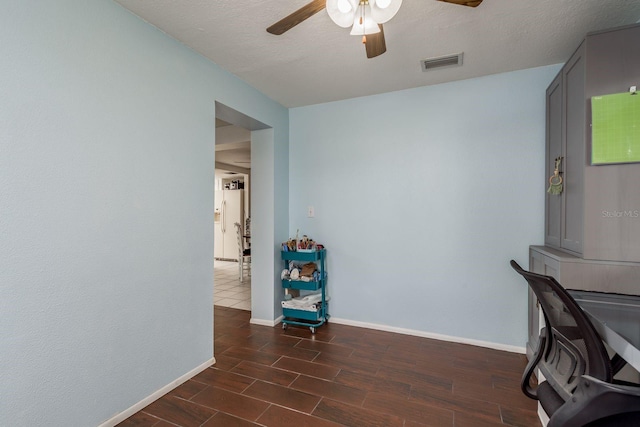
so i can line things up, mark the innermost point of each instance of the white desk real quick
(617, 319)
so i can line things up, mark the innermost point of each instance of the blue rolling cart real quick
(312, 319)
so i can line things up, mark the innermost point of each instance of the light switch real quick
(310, 212)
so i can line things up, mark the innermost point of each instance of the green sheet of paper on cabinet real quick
(615, 128)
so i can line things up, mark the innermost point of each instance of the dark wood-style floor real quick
(345, 376)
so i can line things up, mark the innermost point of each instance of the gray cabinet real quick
(586, 247)
(606, 62)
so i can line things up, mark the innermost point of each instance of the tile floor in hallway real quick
(228, 291)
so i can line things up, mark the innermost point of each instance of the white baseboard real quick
(118, 418)
(441, 337)
(542, 416)
(263, 322)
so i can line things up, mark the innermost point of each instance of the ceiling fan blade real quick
(375, 44)
(470, 3)
(305, 12)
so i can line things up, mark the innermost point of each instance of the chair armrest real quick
(594, 400)
(525, 382)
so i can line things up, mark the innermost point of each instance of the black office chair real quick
(578, 388)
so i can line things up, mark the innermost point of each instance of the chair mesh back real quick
(573, 345)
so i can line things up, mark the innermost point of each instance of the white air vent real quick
(441, 62)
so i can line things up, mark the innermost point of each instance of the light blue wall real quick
(265, 257)
(106, 208)
(422, 197)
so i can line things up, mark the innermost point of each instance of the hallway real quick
(228, 290)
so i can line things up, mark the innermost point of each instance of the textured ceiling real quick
(317, 61)
(233, 149)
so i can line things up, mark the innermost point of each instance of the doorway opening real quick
(232, 217)
(235, 203)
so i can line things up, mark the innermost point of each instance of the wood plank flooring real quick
(343, 376)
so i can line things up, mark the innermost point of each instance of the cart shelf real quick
(303, 256)
(313, 285)
(293, 313)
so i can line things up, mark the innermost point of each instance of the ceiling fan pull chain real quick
(364, 36)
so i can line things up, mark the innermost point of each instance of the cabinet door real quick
(613, 66)
(553, 203)
(574, 149)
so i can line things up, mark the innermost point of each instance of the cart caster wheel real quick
(284, 326)
(313, 330)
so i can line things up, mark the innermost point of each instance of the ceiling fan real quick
(355, 12)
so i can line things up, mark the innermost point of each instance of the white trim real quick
(441, 337)
(263, 322)
(118, 418)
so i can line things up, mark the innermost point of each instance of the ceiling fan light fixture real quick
(383, 10)
(364, 16)
(363, 23)
(342, 12)
(344, 6)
